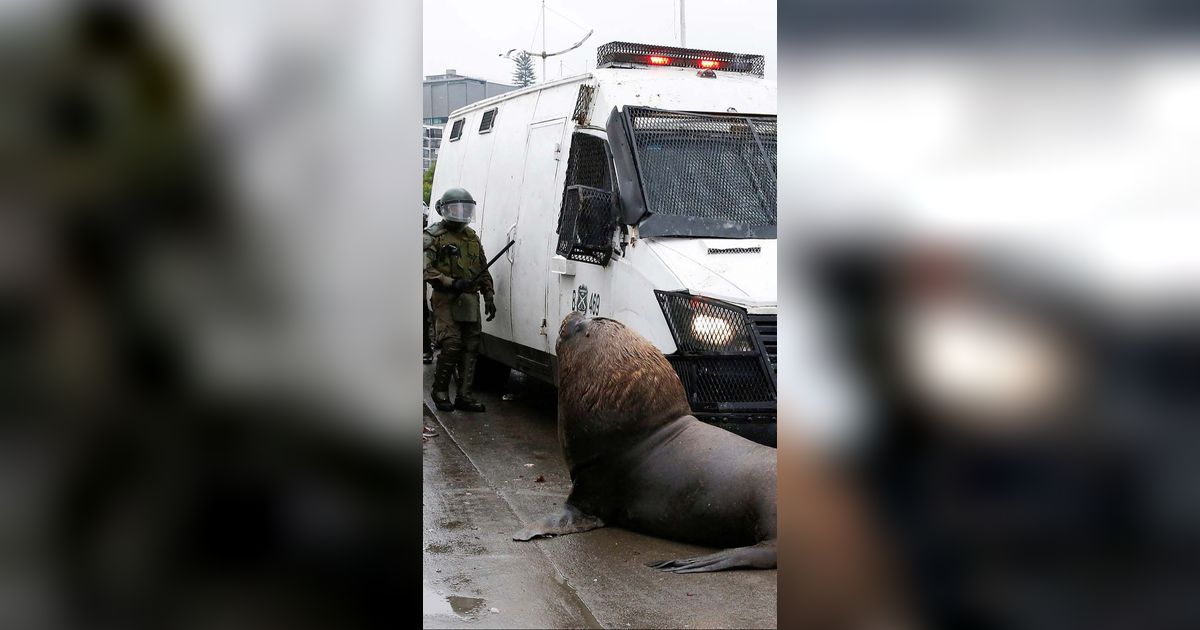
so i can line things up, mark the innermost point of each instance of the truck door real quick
(540, 191)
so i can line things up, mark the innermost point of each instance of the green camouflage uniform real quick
(449, 256)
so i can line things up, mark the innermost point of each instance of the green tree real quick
(428, 180)
(524, 75)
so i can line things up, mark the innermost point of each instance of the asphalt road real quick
(481, 483)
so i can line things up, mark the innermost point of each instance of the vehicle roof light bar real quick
(615, 54)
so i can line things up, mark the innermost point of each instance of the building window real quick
(489, 120)
(456, 130)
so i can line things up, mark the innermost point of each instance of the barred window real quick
(588, 164)
(587, 219)
(489, 120)
(456, 130)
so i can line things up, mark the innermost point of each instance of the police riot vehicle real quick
(642, 191)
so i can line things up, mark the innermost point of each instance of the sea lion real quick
(641, 461)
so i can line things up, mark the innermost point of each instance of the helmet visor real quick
(460, 211)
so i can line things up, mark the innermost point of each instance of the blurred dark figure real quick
(154, 503)
(426, 325)
(1079, 511)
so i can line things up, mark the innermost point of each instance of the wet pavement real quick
(481, 483)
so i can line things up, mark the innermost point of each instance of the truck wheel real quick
(490, 374)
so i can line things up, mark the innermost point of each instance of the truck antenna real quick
(543, 41)
(682, 23)
(544, 54)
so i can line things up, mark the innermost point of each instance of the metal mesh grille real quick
(583, 104)
(588, 163)
(703, 326)
(489, 118)
(725, 357)
(734, 250)
(706, 166)
(766, 329)
(456, 130)
(586, 225)
(614, 53)
(724, 383)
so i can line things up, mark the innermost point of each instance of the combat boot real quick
(464, 401)
(442, 373)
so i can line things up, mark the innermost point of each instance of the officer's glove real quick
(462, 284)
(489, 307)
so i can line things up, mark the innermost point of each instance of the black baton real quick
(484, 270)
(492, 261)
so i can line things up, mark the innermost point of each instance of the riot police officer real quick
(453, 258)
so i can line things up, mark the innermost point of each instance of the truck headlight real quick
(713, 328)
(995, 366)
(703, 325)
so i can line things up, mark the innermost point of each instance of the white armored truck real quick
(643, 191)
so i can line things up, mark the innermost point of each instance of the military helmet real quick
(456, 204)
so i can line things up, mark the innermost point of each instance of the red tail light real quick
(660, 61)
(710, 64)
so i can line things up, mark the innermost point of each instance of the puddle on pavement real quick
(465, 606)
(556, 604)
(435, 603)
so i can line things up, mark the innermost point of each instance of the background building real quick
(444, 93)
(431, 141)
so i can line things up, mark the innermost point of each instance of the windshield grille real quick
(706, 166)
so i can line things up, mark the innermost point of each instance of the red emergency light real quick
(631, 55)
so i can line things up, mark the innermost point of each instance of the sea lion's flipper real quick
(568, 520)
(760, 556)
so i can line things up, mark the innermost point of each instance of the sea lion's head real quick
(572, 324)
(610, 378)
